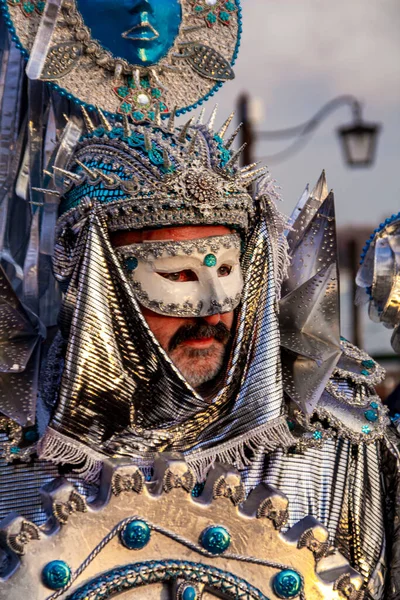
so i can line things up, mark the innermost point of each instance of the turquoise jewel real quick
(29, 7)
(189, 593)
(366, 429)
(210, 260)
(215, 539)
(126, 107)
(138, 116)
(211, 18)
(136, 535)
(368, 363)
(374, 405)
(31, 436)
(15, 450)
(56, 574)
(371, 415)
(317, 435)
(224, 16)
(291, 424)
(123, 91)
(140, 32)
(365, 372)
(287, 584)
(131, 263)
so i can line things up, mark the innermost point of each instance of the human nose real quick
(138, 6)
(212, 319)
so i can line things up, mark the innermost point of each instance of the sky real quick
(295, 56)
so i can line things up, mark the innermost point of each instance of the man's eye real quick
(224, 271)
(180, 276)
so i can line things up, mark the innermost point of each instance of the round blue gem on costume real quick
(210, 260)
(136, 535)
(366, 429)
(287, 584)
(317, 435)
(365, 372)
(374, 405)
(56, 574)
(131, 263)
(31, 436)
(371, 415)
(215, 539)
(189, 593)
(140, 32)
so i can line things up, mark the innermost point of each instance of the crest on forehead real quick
(132, 57)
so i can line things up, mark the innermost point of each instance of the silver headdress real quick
(378, 278)
(156, 176)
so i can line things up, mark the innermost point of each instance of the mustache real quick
(195, 332)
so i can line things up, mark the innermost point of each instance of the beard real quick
(197, 365)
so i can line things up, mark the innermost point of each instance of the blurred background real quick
(296, 56)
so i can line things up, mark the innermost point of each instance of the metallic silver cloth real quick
(114, 367)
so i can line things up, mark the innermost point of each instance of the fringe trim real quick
(60, 449)
(268, 437)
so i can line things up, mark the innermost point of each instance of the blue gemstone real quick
(291, 424)
(56, 574)
(364, 372)
(31, 436)
(366, 429)
(371, 415)
(189, 593)
(131, 263)
(374, 405)
(210, 260)
(141, 32)
(215, 539)
(369, 364)
(136, 535)
(287, 584)
(317, 435)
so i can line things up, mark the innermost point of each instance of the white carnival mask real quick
(190, 278)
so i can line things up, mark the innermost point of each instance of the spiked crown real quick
(157, 175)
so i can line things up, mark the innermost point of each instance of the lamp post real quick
(358, 139)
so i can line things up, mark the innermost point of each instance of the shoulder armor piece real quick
(349, 407)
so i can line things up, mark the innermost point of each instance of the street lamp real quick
(358, 140)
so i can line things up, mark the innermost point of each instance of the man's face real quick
(197, 346)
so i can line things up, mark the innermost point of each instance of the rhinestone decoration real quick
(371, 415)
(131, 263)
(136, 535)
(210, 260)
(287, 584)
(56, 574)
(215, 539)
(189, 593)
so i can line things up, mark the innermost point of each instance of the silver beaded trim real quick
(150, 250)
(183, 310)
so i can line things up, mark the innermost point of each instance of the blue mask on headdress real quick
(140, 31)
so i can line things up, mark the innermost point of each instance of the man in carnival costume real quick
(197, 395)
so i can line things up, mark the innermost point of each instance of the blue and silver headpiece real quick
(156, 176)
(378, 278)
